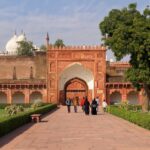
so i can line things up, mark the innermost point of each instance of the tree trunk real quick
(146, 98)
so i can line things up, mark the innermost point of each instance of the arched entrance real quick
(76, 80)
(76, 88)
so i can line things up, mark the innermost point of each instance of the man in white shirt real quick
(104, 105)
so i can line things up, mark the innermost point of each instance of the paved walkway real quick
(75, 131)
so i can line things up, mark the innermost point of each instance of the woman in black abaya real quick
(86, 106)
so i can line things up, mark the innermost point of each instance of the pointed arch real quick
(18, 97)
(3, 97)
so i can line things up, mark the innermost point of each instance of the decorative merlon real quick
(83, 47)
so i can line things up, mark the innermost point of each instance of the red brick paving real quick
(75, 131)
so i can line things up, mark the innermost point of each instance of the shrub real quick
(37, 103)
(139, 118)
(14, 109)
(11, 110)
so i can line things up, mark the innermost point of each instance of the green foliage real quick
(43, 47)
(14, 109)
(2, 106)
(10, 123)
(124, 105)
(59, 43)
(129, 33)
(141, 119)
(37, 103)
(25, 48)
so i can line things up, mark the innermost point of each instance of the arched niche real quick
(36, 95)
(132, 98)
(115, 97)
(3, 98)
(18, 98)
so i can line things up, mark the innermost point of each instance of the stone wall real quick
(23, 67)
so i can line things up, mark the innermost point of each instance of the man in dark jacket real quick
(68, 103)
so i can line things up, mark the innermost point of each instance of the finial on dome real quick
(22, 31)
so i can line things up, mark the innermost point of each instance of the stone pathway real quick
(75, 131)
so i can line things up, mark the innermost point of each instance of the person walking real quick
(104, 105)
(82, 103)
(68, 103)
(94, 107)
(86, 106)
(98, 102)
(75, 103)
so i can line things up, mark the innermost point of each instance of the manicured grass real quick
(136, 117)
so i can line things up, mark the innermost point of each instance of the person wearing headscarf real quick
(94, 107)
(86, 106)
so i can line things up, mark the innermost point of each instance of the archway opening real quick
(35, 96)
(132, 98)
(76, 88)
(3, 98)
(18, 98)
(115, 98)
(83, 76)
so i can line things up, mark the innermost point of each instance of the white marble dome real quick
(12, 44)
(21, 38)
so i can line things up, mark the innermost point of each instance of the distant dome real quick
(12, 45)
(21, 38)
(111, 60)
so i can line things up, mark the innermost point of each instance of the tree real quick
(128, 33)
(59, 43)
(43, 47)
(25, 48)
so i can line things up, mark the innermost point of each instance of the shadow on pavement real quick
(12, 135)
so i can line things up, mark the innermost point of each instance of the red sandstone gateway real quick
(76, 71)
(60, 72)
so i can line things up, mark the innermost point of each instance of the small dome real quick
(21, 38)
(12, 45)
(111, 60)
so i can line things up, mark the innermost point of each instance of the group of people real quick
(85, 104)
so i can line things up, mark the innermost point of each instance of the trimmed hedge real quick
(10, 123)
(139, 118)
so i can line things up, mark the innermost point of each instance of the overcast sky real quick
(74, 21)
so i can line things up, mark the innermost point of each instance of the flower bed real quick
(9, 123)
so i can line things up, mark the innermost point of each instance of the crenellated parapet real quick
(82, 47)
(120, 64)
